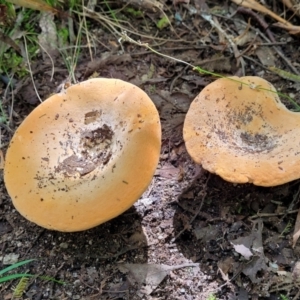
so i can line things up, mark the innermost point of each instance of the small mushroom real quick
(243, 132)
(84, 155)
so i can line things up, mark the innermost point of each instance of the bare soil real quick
(190, 234)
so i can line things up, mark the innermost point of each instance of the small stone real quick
(10, 259)
(63, 245)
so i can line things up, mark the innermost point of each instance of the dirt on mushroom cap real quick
(84, 156)
(243, 132)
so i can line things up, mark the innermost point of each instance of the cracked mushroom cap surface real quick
(244, 133)
(84, 155)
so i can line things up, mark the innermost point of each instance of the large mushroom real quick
(243, 132)
(83, 156)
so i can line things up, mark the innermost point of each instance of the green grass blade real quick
(16, 265)
(14, 276)
(47, 278)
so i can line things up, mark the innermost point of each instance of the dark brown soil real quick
(189, 219)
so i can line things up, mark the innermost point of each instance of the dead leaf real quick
(253, 267)
(34, 4)
(106, 59)
(118, 290)
(146, 5)
(296, 233)
(7, 15)
(296, 273)
(266, 56)
(150, 275)
(215, 64)
(226, 265)
(167, 171)
(253, 241)
(9, 41)
(207, 233)
(175, 2)
(243, 250)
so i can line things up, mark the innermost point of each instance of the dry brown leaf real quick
(34, 4)
(9, 41)
(296, 230)
(167, 171)
(245, 244)
(256, 265)
(149, 275)
(226, 265)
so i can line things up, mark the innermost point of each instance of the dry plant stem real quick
(259, 215)
(10, 84)
(175, 79)
(215, 24)
(254, 61)
(292, 6)
(126, 38)
(277, 49)
(292, 204)
(249, 47)
(73, 62)
(72, 36)
(260, 21)
(111, 26)
(87, 33)
(265, 26)
(11, 109)
(30, 71)
(297, 295)
(52, 63)
(253, 4)
(268, 42)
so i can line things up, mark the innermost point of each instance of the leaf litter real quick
(150, 275)
(220, 249)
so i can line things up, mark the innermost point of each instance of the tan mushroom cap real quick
(84, 155)
(244, 133)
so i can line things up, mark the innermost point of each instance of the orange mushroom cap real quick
(243, 132)
(83, 156)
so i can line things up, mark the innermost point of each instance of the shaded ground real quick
(189, 219)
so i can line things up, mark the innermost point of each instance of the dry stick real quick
(259, 215)
(270, 35)
(112, 25)
(279, 52)
(126, 38)
(235, 50)
(261, 22)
